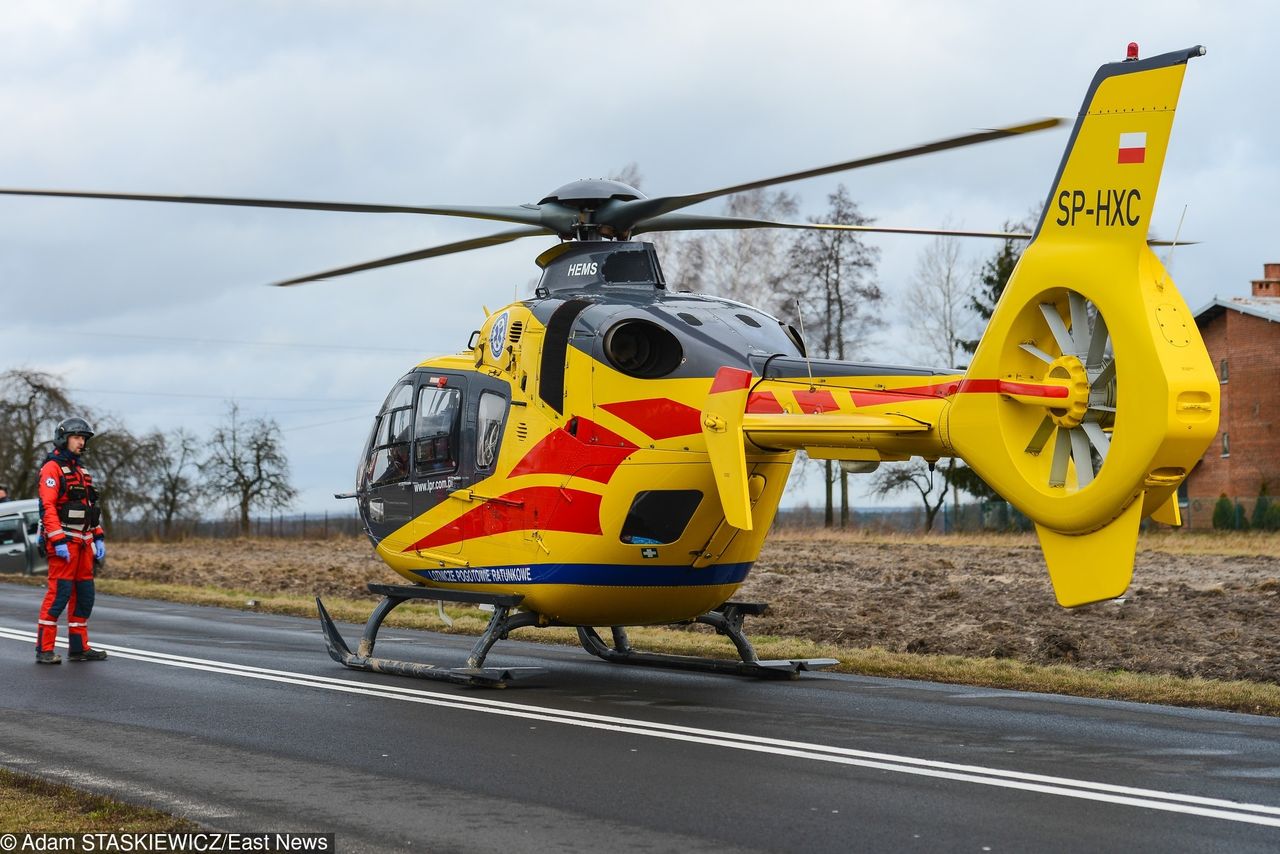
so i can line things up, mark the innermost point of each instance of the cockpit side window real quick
(493, 411)
(436, 430)
(388, 460)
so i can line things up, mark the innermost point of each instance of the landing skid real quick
(475, 673)
(726, 620)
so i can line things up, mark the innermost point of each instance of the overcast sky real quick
(500, 103)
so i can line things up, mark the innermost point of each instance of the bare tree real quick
(31, 405)
(121, 464)
(916, 474)
(938, 304)
(246, 465)
(939, 317)
(747, 265)
(176, 488)
(831, 291)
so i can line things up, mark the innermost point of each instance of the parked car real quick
(19, 527)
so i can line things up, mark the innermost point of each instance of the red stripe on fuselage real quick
(543, 508)
(815, 402)
(594, 453)
(731, 379)
(763, 401)
(658, 417)
(947, 389)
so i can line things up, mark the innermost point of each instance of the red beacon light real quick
(438, 382)
(1131, 55)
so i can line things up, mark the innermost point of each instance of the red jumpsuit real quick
(70, 515)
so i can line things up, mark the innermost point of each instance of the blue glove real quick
(99, 549)
(62, 551)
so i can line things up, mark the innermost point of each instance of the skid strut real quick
(726, 620)
(475, 673)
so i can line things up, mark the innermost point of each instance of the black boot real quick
(49, 657)
(88, 655)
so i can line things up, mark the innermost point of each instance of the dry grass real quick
(32, 805)
(1229, 695)
(1158, 540)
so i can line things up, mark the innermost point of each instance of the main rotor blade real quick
(525, 214)
(433, 252)
(710, 222)
(696, 222)
(623, 215)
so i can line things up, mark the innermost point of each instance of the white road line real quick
(1062, 786)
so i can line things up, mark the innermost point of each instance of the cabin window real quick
(493, 410)
(659, 516)
(794, 337)
(623, 268)
(389, 446)
(11, 532)
(436, 429)
(749, 320)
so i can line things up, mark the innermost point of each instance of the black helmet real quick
(73, 426)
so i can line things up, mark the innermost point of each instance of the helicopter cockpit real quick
(436, 432)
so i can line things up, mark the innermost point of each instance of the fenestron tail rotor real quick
(1096, 433)
(1079, 433)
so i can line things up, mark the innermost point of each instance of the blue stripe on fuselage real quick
(592, 574)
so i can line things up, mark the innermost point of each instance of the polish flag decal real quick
(1133, 147)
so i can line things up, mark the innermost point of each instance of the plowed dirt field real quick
(1198, 606)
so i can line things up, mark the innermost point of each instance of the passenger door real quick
(437, 451)
(13, 545)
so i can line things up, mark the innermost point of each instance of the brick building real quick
(1242, 336)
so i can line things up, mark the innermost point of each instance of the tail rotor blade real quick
(1098, 438)
(1057, 327)
(1042, 434)
(1061, 455)
(1107, 375)
(1098, 343)
(1082, 456)
(1079, 323)
(1038, 353)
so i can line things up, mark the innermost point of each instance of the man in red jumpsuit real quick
(73, 539)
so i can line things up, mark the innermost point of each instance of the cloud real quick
(419, 103)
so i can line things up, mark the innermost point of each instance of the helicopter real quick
(610, 453)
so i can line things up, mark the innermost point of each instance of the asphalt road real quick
(242, 722)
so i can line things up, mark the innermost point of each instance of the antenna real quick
(1168, 258)
(803, 338)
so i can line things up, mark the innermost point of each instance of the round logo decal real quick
(50, 482)
(498, 335)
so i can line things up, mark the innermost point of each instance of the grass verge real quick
(1237, 696)
(32, 805)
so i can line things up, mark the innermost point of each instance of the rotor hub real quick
(1068, 370)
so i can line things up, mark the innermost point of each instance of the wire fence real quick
(950, 518)
(279, 525)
